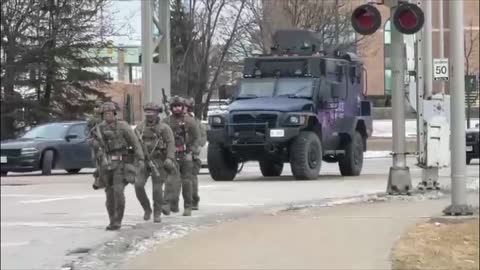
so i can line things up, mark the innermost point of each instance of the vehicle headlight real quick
(296, 120)
(216, 120)
(29, 151)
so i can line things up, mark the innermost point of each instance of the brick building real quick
(374, 49)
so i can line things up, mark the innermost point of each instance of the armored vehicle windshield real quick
(286, 87)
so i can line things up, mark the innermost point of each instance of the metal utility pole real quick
(420, 90)
(399, 179)
(429, 174)
(442, 39)
(147, 51)
(457, 111)
(156, 75)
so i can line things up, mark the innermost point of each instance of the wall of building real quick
(118, 92)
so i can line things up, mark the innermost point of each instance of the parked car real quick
(473, 143)
(60, 145)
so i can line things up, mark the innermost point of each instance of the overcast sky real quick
(127, 11)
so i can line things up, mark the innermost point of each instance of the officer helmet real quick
(109, 106)
(152, 106)
(176, 100)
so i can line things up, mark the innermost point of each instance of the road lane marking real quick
(62, 199)
(14, 244)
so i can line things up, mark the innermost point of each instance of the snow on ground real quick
(383, 128)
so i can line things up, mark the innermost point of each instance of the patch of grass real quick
(439, 245)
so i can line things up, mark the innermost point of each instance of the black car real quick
(50, 146)
(473, 143)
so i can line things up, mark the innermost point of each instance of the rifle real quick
(148, 158)
(165, 102)
(103, 148)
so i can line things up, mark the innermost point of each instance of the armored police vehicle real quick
(297, 105)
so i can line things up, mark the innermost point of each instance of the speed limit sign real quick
(440, 69)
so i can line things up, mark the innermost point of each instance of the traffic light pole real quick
(399, 179)
(457, 112)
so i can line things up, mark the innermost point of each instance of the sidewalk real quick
(356, 236)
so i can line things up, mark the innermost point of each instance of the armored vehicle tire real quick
(47, 162)
(270, 168)
(352, 162)
(306, 156)
(221, 165)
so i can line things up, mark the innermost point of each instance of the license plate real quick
(3, 160)
(277, 133)
(469, 148)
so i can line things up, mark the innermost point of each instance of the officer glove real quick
(188, 157)
(169, 165)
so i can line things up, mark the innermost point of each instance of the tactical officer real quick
(159, 150)
(197, 163)
(187, 137)
(115, 137)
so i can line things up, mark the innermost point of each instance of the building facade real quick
(374, 49)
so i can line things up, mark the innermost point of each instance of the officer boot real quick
(196, 200)
(110, 204)
(156, 215)
(166, 209)
(119, 209)
(174, 206)
(187, 212)
(144, 202)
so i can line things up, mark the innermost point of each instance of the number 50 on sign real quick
(440, 69)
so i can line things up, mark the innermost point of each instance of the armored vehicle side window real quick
(295, 87)
(256, 88)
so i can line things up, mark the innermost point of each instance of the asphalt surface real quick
(51, 221)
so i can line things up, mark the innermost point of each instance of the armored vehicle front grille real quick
(258, 122)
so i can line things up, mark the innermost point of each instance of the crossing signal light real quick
(366, 19)
(408, 18)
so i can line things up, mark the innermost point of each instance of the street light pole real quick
(457, 112)
(399, 179)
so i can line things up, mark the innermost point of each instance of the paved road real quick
(45, 218)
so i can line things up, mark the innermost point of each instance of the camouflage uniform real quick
(197, 163)
(117, 137)
(158, 140)
(186, 135)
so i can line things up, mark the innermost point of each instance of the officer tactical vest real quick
(152, 138)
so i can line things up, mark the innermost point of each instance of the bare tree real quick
(202, 37)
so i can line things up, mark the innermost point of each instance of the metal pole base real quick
(458, 210)
(399, 181)
(429, 179)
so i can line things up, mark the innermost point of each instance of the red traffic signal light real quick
(408, 18)
(366, 19)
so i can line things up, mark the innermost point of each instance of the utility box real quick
(437, 134)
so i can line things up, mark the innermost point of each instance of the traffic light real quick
(366, 19)
(408, 18)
